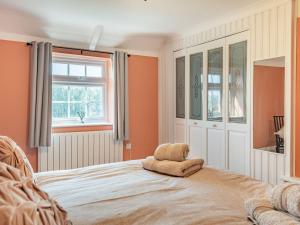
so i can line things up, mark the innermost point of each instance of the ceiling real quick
(131, 24)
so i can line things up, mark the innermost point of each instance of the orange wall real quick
(14, 94)
(14, 98)
(297, 102)
(268, 91)
(143, 106)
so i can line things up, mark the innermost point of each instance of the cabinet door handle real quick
(214, 125)
(195, 123)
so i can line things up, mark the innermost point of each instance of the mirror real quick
(268, 104)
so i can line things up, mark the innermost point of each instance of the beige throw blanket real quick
(286, 197)
(174, 152)
(22, 202)
(178, 169)
(261, 212)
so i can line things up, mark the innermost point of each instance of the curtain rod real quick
(78, 49)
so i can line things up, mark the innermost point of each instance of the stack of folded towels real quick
(283, 207)
(171, 159)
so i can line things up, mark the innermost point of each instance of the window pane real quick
(60, 69)
(95, 94)
(180, 87)
(76, 108)
(215, 84)
(77, 70)
(237, 82)
(95, 110)
(196, 86)
(60, 110)
(77, 93)
(59, 92)
(95, 101)
(94, 71)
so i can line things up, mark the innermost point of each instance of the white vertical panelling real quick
(74, 150)
(282, 30)
(265, 166)
(86, 145)
(268, 166)
(50, 155)
(91, 148)
(258, 165)
(68, 152)
(258, 36)
(97, 149)
(80, 148)
(272, 169)
(266, 34)
(56, 152)
(273, 32)
(106, 147)
(102, 149)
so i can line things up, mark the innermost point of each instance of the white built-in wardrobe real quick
(206, 90)
(212, 90)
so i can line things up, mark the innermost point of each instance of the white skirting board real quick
(79, 149)
(269, 167)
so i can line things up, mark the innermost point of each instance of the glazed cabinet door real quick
(238, 102)
(196, 126)
(180, 96)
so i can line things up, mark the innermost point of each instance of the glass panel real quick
(76, 109)
(215, 85)
(95, 101)
(60, 69)
(77, 93)
(59, 93)
(196, 86)
(180, 87)
(60, 110)
(237, 82)
(94, 71)
(77, 70)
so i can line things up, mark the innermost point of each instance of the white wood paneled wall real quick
(270, 29)
(166, 100)
(79, 149)
(268, 166)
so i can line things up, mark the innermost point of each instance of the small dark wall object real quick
(81, 116)
(278, 124)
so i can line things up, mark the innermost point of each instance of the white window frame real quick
(84, 81)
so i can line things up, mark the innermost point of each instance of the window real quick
(79, 90)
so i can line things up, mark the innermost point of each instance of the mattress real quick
(124, 193)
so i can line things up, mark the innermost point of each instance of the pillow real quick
(13, 155)
(280, 132)
(23, 203)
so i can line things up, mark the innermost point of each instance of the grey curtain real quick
(121, 118)
(40, 121)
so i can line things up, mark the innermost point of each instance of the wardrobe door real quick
(180, 87)
(180, 95)
(215, 114)
(196, 128)
(238, 100)
(196, 86)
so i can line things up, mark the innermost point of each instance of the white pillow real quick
(280, 132)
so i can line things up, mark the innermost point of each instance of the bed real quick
(125, 193)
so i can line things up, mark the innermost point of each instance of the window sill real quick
(69, 128)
